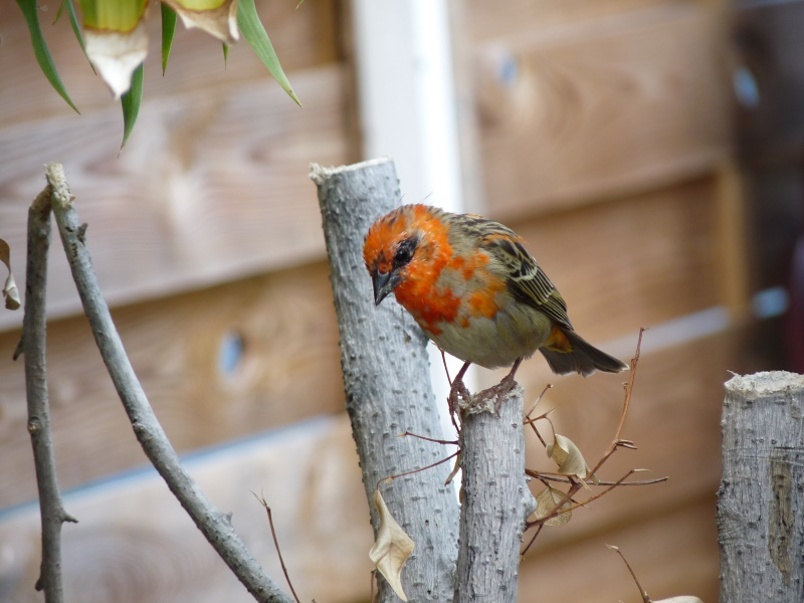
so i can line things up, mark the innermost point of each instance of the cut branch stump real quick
(760, 507)
(387, 383)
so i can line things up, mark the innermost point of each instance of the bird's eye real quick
(404, 251)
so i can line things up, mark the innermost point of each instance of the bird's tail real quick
(576, 355)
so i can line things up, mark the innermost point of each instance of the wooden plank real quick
(289, 370)
(135, 543)
(632, 263)
(486, 20)
(209, 188)
(673, 555)
(304, 36)
(602, 109)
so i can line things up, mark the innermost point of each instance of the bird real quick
(475, 291)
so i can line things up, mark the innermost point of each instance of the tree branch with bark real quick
(215, 525)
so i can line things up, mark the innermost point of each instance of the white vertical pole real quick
(406, 88)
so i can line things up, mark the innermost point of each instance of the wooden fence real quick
(605, 138)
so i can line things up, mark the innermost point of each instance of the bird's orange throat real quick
(420, 294)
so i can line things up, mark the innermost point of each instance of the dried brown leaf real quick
(568, 457)
(391, 548)
(546, 501)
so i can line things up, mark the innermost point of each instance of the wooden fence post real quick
(760, 507)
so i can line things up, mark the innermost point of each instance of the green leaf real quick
(30, 12)
(76, 29)
(130, 102)
(225, 48)
(250, 26)
(168, 29)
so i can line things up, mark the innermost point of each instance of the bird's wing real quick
(527, 282)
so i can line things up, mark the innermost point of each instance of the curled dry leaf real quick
(546, 501)
(115, 55)
(216, 17)
(568, 457)
(391, 548)
(10, 292)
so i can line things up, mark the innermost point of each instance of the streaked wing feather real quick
(527, 281)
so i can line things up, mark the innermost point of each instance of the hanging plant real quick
(114, 39)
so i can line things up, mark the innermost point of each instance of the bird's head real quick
(396, 247)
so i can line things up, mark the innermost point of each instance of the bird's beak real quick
(384, 283)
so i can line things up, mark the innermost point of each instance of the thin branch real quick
(618, 442)
(554, 477)
(264, 503)
(215, 525)
(428, 439)
(642, 592)
(576, 485)
(391, 478)
(34, 338)
(560, 507)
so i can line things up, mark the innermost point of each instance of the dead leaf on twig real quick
(546, 502)
(391, 548)
(568, 457)
(10, 292)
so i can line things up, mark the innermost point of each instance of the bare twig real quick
(642, 592)
(51, 506)
(575, 485)
(215, 525)
(418, 469)
(555, 477)
(428, 439)
(264, 503)
(617, 441)
(560, 508)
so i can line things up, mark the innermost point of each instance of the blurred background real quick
(650, 152)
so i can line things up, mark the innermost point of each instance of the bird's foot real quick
(487, 400)
(498, 393)
(459, 397)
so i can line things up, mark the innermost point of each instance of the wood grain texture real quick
(601, 109)
(135, 543)
(209, 188)
(487, 20)
(634, 262)
(288, 371)
(759, 503)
